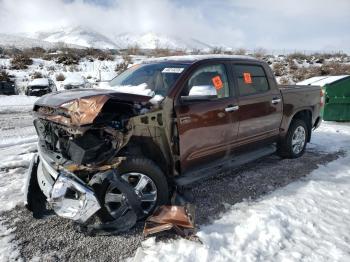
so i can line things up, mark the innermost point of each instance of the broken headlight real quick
(71, 198)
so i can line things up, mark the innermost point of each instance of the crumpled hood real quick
(56, 99)
(80, 107)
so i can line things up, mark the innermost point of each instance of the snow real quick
(151, 40)
(203, 91)
(74, 79)
(39, 82)
(322, 80)
(304, 221)
(190, 58)
(16, 103)
(17, 147)
(8, 246)
(156, 99)
(141, 89)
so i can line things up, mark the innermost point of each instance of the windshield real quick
(148, 79)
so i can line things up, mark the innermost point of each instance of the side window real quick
(210, 79)
(251, 79)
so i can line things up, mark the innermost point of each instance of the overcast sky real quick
(271, 24)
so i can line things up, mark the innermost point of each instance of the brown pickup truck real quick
(162, 124)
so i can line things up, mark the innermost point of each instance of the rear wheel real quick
(294, 143)
(148, 182)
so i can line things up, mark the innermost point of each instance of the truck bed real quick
(296, 98)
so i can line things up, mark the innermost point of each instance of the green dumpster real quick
(337, 96)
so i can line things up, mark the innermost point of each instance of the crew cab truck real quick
(107, 152)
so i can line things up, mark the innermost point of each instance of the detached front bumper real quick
(69, 196)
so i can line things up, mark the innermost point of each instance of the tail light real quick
(321, 97)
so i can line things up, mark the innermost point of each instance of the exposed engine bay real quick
(82, 132)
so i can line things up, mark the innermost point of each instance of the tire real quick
(287, 148)
(142, 166)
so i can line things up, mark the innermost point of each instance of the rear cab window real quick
(251, 79)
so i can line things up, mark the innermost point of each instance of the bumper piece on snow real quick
(71, 198)
(179, 218)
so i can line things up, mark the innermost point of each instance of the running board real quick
(219, 166)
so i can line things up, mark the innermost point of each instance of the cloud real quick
(272, 24)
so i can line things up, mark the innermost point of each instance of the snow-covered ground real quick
(307, 220)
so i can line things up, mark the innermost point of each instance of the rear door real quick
(207, 129)
(260, 103)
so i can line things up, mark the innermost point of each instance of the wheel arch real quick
(148, 148)
(305, 115)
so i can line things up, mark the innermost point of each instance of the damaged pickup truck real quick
(118, 155)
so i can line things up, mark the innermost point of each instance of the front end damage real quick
(82, 140)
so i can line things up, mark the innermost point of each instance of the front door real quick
(260, 106)
(206, 128)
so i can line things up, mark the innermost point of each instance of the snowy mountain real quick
(151, 41)
(76, 35)
(19, 41)
(86, 37)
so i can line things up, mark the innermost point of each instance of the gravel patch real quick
(54, 238)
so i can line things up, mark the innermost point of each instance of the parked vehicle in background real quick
(8, 88)
(76, 81)
(111, 153)
(40, 87)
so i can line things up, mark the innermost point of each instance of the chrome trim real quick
(231, 108)
(48, 167)
(275, 101)
(45, 180)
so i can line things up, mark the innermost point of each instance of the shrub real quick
(21, 61)
(284, 80)
(279, 69)
(196, 51)
(259, 53)
(335, 69)
(60, 77)
(133, 50)
(159, 52)
(37, 75)
(51, 68)
(297, 56)
(4, 76)
(67, 59)
(217, 50)
(240, 51)
(96, 53)
(121, 67)
(36, 52)
(292, 65)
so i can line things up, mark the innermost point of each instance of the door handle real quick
(231, 108)
(185, 120)
(276, 100)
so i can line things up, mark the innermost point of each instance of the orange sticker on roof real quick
(217, 82)
(247, 78)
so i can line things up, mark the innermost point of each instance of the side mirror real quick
(201, 93)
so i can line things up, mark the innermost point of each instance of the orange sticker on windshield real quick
(217, 82)
(247, 78)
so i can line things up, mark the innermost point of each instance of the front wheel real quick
(148, 182)
(294, 143)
